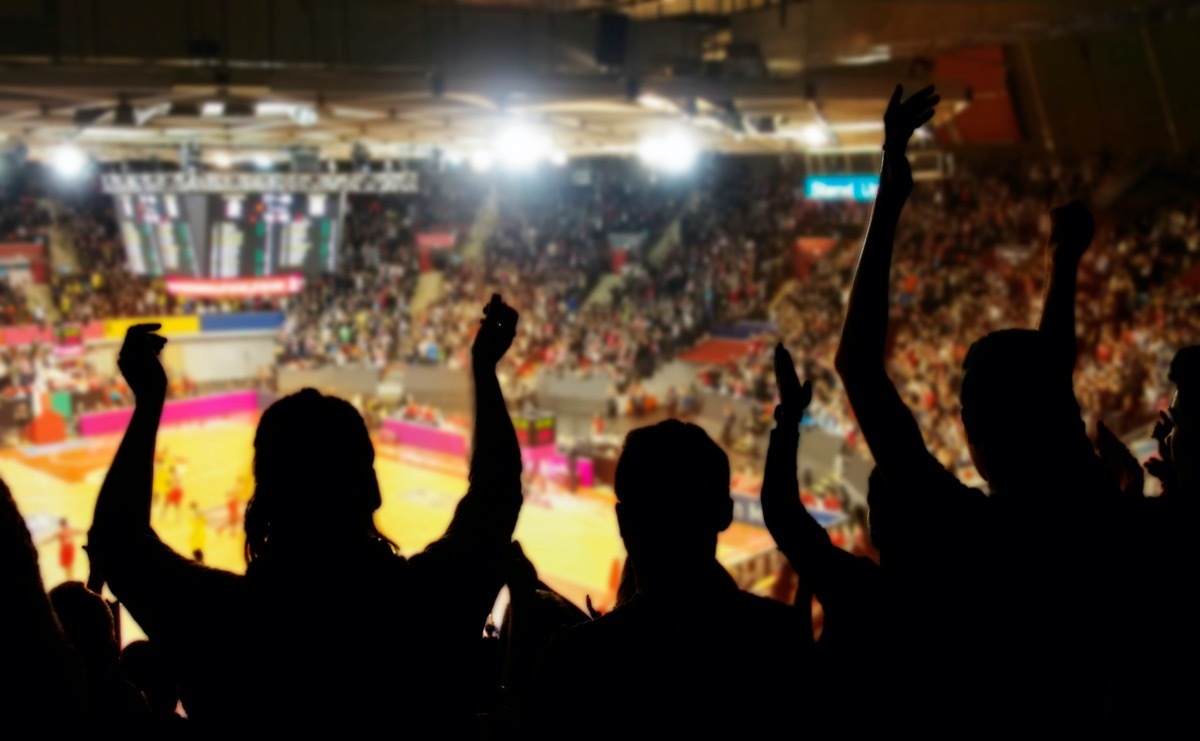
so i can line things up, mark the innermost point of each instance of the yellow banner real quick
(171, 325)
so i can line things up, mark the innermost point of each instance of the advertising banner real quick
(23, 262)
(841, 187)
(275, 285)
(437, 240)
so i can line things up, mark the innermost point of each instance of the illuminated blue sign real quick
(841, 187)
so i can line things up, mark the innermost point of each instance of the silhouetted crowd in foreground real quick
(1059, 602)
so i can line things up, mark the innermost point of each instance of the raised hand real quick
(902, 119)
(1071, 230)
(1120, 462)
(1162, 467)
(140, 365)
(496, 332)
(794, 397)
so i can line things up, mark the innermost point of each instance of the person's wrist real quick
(150, 401)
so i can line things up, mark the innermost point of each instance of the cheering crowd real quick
(1061, 600)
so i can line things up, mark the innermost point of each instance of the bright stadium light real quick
(222, 160)
(814, 135)
(558, 158)
(452, 157)
(481, 161)
(520, 148)
(69, 161)
(673, 153)
(263, 161)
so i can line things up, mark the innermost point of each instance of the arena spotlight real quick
(558, 158)
(263, 161)
(222, 160)
(674, 153)
(481, 161)
(520, 148)
(69, 161)
(815, 135)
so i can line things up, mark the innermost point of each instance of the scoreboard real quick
(230, 235)
(535, 430)
(269, 233)
(158, 238)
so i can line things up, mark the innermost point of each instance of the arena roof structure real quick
(137, 78)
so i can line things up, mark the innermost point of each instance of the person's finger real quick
(897, 94)
(143, 328)
(921, 94)
(923, 119)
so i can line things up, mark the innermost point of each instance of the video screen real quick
(158, 237)
(230, 235)
(267, 233)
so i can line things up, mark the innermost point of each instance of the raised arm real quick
(1072, 228)
(842, 583)
(887, 424)
(797, 534)
(123, 506)
(145, 574)
(493, 500)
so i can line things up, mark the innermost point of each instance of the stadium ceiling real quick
(130, 113)
(140, 78)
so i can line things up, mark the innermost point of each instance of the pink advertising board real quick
(184, 410)
(450, 442)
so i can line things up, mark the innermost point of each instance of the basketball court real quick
(572, 538)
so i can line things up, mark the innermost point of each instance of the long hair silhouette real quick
(314, 471)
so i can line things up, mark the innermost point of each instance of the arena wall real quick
(225, 357)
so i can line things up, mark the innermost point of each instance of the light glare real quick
(69, 161)
(673, 153)
(815, 135)
(519, 148)
(481, 161)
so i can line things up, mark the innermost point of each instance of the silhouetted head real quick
(1184, 440)
(315, 485)
(88, 624)
(145, 668)
(1018, 406)
(672, 487)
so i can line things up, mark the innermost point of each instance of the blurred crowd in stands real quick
(691, 259)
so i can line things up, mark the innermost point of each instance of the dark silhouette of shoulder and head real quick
(679, 644)
(88, 623)
(307, 447)
(672, 487)
(1009, 381)
(90, 628)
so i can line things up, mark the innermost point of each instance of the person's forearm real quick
(796, 534)
(496, 451)
(1058, 309)
(864, 334)
(124, 500)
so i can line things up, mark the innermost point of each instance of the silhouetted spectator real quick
(673, 658)
(88, 624)
(42, 677)
(397, 632)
